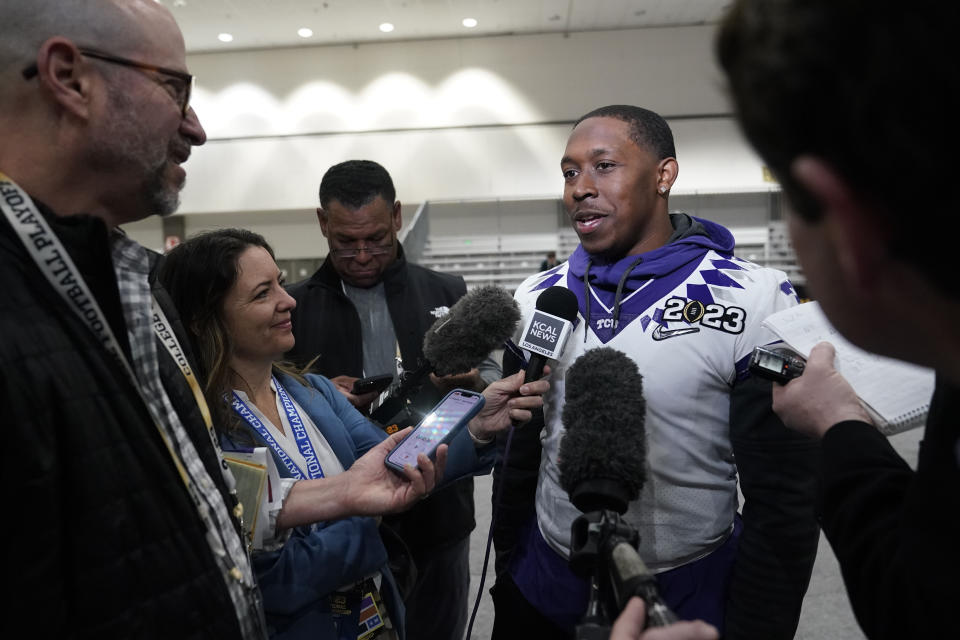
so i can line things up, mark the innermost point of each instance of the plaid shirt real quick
(131, 264)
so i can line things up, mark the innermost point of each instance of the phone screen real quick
(456, 409)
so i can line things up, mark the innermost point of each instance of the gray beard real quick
(158, 197)
(124, 145)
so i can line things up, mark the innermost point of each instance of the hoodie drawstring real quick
(616, 299)
(586, 304)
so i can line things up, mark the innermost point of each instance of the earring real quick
(663, 189)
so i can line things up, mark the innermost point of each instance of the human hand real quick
(374, 489)
(819, 398)
(629, 626)
(345, 383)
(508, 399)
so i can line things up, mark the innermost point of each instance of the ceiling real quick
(258, 24)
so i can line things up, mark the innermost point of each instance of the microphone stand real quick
(595, 625)
(604, 548)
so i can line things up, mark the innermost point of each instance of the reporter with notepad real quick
(853, 107)
(327, 579)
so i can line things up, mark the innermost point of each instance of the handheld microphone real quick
(602, 461)
(549, 327)
(476, 324)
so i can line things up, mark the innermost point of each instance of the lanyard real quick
(58, 268)
(300, 435)
(56, 265)
(162, 329)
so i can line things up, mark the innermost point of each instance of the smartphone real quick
(437, 427)
(779, 365)
(372, 383)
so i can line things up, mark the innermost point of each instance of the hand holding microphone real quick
(549, 327)
(631, 622)
(544, 335)
(508, 401)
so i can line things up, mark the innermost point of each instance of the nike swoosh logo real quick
(661, 333)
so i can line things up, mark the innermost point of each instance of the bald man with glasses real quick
(128, 526)
(121, 520)
(178, 83)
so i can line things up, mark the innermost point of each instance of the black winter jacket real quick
(326, 324)
(101, 537)
(894, 529)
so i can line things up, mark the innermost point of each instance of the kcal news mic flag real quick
(546, 334)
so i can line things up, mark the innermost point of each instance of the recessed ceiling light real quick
(304, 32)
(469, 23)
(225, 37)
(386, 27)
(179, 3)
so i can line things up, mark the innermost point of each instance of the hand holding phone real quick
(438, 427)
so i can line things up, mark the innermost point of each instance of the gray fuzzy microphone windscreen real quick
(477, 324)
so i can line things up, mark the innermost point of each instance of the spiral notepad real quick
(895, 393)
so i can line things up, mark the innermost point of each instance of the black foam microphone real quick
(549, 327)
(477, 324)
(602, 464)
(603, 450)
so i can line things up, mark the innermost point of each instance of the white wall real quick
(148, 232)
(450, 119)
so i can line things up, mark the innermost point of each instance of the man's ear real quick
(322, 219)
(856, 232)
(63, 73)
(667, 172)
(397, 216)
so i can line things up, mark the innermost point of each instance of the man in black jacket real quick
(132, 528)
(364, 308)
(853, 106)
(126, 523)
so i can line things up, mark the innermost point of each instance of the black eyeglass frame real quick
(370, 250)
(188, 80)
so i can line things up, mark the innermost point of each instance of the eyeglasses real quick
(372, 250)
(180, 91)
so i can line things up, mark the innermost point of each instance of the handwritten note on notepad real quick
(896, 393)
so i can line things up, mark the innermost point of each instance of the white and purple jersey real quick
(689, 315)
